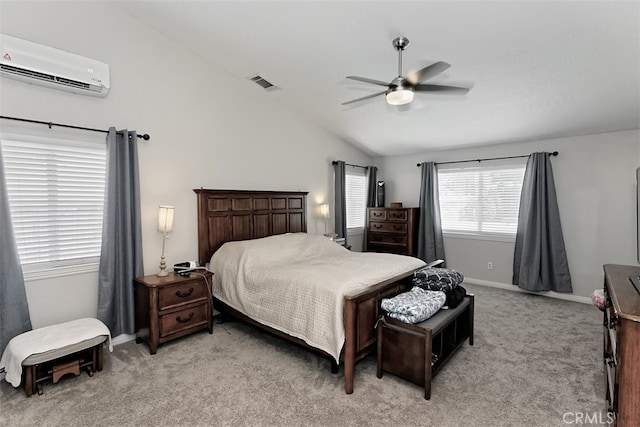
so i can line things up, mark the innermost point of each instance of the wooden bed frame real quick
(231, 215)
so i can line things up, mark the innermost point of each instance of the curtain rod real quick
(555, 153)
(349, 164)
(145, 136)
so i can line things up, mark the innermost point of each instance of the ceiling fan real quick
(400, 90)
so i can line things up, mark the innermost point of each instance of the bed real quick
(254, 222)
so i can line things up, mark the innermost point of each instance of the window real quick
(355, 187)
(481, 201)
(56, 196)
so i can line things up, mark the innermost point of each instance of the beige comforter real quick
(296, 283)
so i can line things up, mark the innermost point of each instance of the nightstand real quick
(172, 306)
(342, 242)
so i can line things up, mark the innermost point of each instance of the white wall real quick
(202, 133)
(595, 183)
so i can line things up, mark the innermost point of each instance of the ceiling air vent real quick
(260, 81)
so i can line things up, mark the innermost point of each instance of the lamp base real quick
(163, 265)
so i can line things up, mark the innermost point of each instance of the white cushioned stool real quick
(54, 351)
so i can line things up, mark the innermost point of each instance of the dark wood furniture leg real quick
(349, 345)
(29, 380)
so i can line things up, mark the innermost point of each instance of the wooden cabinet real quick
(172, 306)
(393, 230)
(622, 345)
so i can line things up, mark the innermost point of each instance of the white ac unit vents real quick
(46, 66)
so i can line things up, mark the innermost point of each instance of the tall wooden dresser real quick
(393, 230)
(622, 345)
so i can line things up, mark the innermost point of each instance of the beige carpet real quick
(535, 361)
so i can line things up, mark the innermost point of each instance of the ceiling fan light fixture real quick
(399, 95)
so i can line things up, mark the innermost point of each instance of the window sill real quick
(474, 236)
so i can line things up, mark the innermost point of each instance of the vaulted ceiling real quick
(537, 70)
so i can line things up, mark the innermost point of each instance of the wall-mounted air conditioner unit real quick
(46, 66)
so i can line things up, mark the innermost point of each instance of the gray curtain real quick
(121, 254)
(14, 311)
(540, 260)
(372, 190)
(430, 241)
(341, 199)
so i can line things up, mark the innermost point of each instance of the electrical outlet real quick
(489, 265)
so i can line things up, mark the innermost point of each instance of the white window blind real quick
(355, 187)
(56, 196)
(481, 200)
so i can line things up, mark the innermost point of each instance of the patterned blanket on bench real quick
(414, 306)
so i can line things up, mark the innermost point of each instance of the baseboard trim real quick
(121, 339)
(550, 294)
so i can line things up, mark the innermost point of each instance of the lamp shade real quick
(324, 210)
(165, 219)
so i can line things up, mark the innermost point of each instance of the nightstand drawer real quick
(182, 293)
(388, 227)
(187, 318)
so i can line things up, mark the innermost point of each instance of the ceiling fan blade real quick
(364, 97)
(427, 72)
(454, 90)
(366, 80)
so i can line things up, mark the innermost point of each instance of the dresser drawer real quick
(190, 317)
(390, 227)
(396, 239)
(182, 293)
(397, 215)
(377, 214)
(388, 248)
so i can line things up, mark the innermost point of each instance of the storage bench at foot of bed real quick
(416, 352)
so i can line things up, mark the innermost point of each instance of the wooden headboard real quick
(229, 215)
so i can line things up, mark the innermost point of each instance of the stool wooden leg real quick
(100, 358)
(29, 379)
